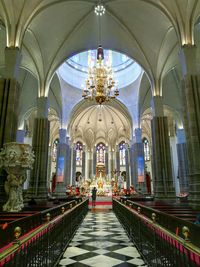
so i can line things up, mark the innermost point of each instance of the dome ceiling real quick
(102, 123)
(75, 70)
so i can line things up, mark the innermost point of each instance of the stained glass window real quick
(146, 149)
(122, 153)
(79, 152)
(54, 150)
(101, 150)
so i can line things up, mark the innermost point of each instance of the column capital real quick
(157, 106)
(12, 62)
(42, 107)
(187, 58)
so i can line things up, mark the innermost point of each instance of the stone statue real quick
(11, 188)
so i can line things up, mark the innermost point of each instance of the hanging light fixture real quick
(100, 85)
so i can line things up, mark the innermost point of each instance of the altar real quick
(101, 181)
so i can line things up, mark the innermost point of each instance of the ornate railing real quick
(43, 246)
(159, 246)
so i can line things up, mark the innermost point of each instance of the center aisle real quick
(101, 241)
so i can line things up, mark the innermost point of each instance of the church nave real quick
(101, 241)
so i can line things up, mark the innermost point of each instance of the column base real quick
(42, 193)
(60, 191)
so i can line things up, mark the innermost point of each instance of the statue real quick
(11, 188)
(15, 158)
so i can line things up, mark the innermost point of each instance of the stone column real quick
(94, 160)
(83, 163)
(89, 160)
(106, 161)
(68, 165)
(117, 158)
(191, 105)
(113, 160)
(133, 179)
(73, 164)
(9, 104)
(127, 158)
(9, 96)
(20, 136)
(163, 181)
(139, 163)
(182, 161)
(62, 160)
(38, 187)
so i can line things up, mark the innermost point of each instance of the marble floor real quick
(101, 241)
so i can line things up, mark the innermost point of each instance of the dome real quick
(74, 71)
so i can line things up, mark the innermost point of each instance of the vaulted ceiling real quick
(109, 123)
(50, 31)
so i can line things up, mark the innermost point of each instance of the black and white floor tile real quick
(101, 241)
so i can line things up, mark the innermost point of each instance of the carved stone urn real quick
(15, 158)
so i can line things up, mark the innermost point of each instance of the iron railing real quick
(158, 246)
(45, 245)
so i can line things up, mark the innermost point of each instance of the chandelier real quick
(100, 85)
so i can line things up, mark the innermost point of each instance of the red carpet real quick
(101, 203)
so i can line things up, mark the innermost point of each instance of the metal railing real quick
(28, 223)
(158, 246)
(45, 245)
(170, 222)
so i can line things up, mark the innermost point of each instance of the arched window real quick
(54, 150)
(101, 151)
(122, 153)
(146, 149)
(79, 152)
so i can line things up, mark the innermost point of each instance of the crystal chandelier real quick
(100, 85)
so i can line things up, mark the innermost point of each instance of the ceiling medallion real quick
(99, 10)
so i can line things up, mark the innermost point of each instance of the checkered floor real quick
(101, 242)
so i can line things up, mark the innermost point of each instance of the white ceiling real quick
(50, 31)
(109, 123)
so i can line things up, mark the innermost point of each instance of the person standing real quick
(94, 195)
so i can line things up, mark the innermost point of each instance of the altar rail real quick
(158, 246)
(43, 246)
